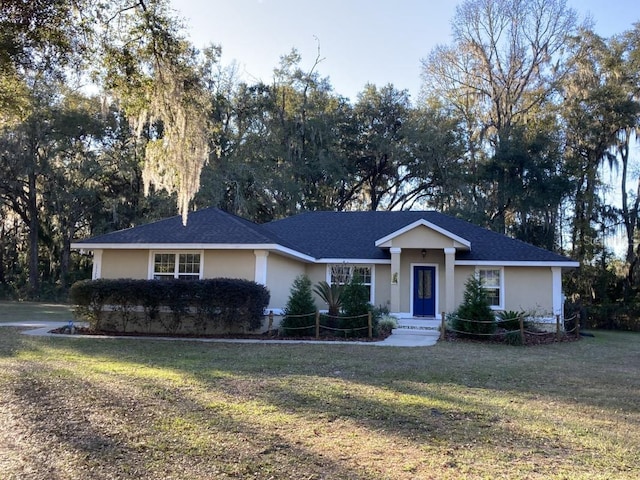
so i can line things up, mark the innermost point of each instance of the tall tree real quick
(154, 72)
(503, 65)
(380, 157)
(598, 108)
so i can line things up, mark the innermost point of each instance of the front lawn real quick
(73, 408)
(34, 311)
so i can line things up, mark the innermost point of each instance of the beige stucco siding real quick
(421, 237)
(462, 274)
(526, 289)
(529, 290)
(125, 264)
(281, 272)
(229, 264)
(382, 290)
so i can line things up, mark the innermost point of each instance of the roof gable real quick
(415, 236)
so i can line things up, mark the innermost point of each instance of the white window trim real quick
(152, 254)
(372, 285)
(495, 267)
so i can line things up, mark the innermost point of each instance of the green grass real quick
(33, 311)
(74, 408)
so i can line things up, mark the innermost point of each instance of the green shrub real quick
(355, 308)
(474, 316)
(220, 302)
(300, 309)
(514, 338)
(384, 325)
(510, 320)
(331, 295)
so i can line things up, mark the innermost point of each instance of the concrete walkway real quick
(410, 333)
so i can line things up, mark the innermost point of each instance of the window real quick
(185, 266)
(491, 279)
(341, 274)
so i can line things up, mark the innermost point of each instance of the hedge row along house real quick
(415, 263)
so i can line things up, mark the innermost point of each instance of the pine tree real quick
(474, 316)
(300, 309)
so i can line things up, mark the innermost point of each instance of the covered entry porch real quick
(422, 270)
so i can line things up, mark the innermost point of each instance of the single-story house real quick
(416, 263)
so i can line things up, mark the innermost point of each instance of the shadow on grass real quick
(124, 427)
(443, 394)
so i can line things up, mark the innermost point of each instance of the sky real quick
(359, 41)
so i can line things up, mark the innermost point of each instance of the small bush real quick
(331, 295)
(300, 309)
(514, 338)
(355, 308)
(474, 316)
(385, 325)
(510, 320)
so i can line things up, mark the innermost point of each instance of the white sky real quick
(361, 41)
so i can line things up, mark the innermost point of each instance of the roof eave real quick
(274, 247)
(519, 263)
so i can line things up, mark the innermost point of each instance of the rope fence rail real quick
(318, 326)
(523, 330)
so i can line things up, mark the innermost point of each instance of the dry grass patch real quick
(97, 408)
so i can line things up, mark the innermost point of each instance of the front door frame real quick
(436, 286)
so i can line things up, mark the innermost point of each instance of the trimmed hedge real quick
(219, 303)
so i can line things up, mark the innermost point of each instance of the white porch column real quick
(556, 282)
(97, 264)
(449, 280)
(395, 279)
(261, 266)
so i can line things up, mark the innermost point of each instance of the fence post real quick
(317, 323)
(522, 339)
(443, 327)
(577, 325)
(270, 321)
(558, 327)
(370, 324)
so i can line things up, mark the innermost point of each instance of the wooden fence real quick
(318, 326)
(522, 330)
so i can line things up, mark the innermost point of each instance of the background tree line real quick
(110, 117)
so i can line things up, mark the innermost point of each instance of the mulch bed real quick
(537, 338)
(230, 336)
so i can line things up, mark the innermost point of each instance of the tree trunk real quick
(33, 236)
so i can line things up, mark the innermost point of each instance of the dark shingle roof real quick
(353, 235)
(344, 235)
(207, 226)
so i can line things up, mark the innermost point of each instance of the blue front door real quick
(424, 291)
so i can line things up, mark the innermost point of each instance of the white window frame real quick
(176, 257)
(372, 269)
(479, 269)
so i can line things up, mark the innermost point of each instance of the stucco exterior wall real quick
(382, 290)
(421, 237)
(281, 272)
(529, 290)
(462, 274)
(125, 264)
(229, 264)
(316, 273)
(526, 289)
